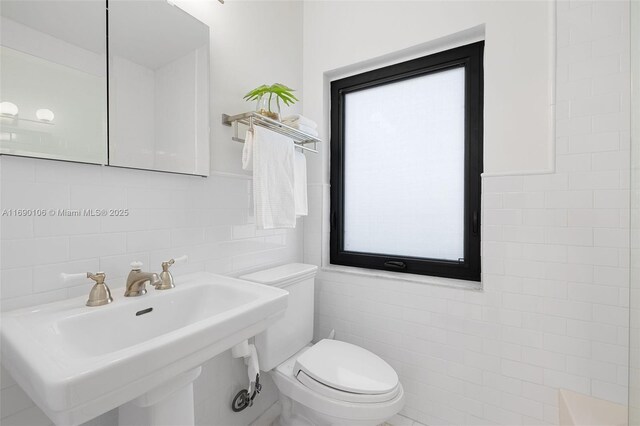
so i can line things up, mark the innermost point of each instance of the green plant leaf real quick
(283, 92)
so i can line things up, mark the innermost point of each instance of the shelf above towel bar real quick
(301, 139)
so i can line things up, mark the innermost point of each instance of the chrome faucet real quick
(137, 280)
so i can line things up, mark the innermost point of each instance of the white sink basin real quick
(78, 362)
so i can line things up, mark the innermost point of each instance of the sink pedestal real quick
(169, 404)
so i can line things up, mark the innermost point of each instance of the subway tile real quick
(569, 236)
(610, 237)
(594, 180)
(61, 172)
(595, 105)
(591, 330)
(41, 196)
(602, 256)
(17, 169)
(15, 227)
(187, 237)
(596, 218)
(46, 226)
(544, 358)
(502, 184)
(97, 245)
(522, 371)
(16, 282)
(97, 197)
(615, 354)
(523, 234)
(139, 241)
(593, 293)
(546, 182)
(602, 124)
(544, 252)
(612, 315)
(569, 199)
(503, 217)
(608, 199)
(609, 391)
(523, 200)
(611, 276)
(559, 379)
(544, 217)
(574, 162)
(594, 142)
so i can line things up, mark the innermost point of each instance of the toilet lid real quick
(347, 367)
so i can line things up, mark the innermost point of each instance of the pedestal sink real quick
(78, 362)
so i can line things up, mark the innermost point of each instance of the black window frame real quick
(468, 268)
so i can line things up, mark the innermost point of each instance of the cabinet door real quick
(158, 88)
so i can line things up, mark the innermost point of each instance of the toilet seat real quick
(316, 398)
(339, 395)
(346, 372)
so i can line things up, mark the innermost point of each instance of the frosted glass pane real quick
(404, 167)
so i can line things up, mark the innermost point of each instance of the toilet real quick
(327, 383)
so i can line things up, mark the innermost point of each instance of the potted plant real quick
(269, 98)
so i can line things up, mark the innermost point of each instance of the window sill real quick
(396, 276)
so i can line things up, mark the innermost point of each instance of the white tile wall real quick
(553, 312)
(210, 220)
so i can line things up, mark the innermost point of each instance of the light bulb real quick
(45, 115)
(8, 108)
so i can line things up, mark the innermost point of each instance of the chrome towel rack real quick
(252, 118)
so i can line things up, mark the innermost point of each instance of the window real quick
(406, 158)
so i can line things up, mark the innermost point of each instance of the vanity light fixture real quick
(8, 109)
(44, 114)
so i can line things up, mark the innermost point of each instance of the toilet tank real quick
(295, 330)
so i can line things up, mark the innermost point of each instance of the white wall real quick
(210, 219)
(518, 62)
(553, 310)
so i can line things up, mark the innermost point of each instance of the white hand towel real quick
(300, 184)
(300, 119)
(273, 179)
(247, 151)
(306, 129)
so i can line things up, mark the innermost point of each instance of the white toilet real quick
(331, 382)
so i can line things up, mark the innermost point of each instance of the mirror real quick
(53, 84)
(158, 88)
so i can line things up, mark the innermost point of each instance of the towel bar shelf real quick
(252, 118)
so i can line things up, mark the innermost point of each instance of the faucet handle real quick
(165, 265)
(64, 277)
(166, 279)
(98, 277)
(100, 293)
(136, 265)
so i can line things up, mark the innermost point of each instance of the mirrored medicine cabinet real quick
(137, 98)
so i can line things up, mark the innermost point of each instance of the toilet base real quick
(295, 414)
